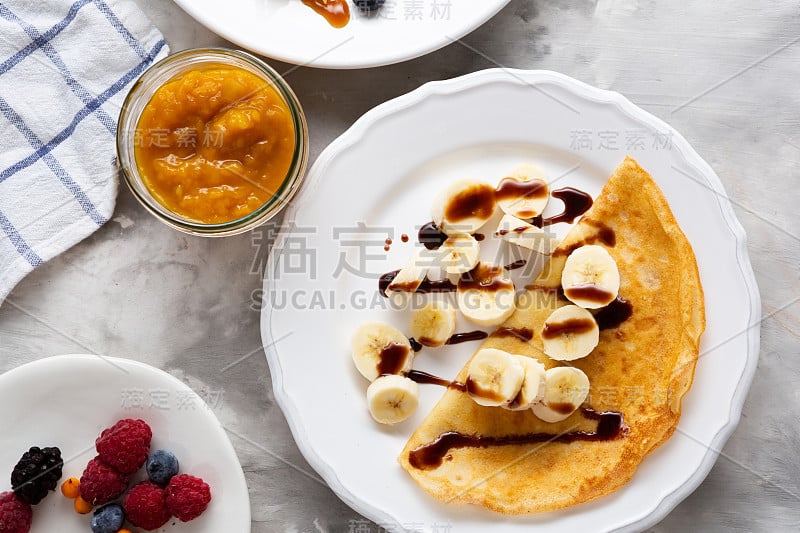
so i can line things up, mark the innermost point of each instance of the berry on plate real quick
(15, 514)
(108, 519)
(100, 483)
(161, 467)
(187, 497)
(145, 506)
(125, 445)
(37, 473)
(71, 488)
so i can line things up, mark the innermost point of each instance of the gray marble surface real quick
(140, 290)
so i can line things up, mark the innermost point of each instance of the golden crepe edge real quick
(628, 178)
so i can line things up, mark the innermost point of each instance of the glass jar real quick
(141, 93)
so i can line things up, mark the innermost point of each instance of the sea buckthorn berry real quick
(82, 506)
(71, 488)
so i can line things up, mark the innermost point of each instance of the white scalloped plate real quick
(66, 401)
(289, 31)
(383, 171)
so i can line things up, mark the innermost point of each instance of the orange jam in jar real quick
(215, 143)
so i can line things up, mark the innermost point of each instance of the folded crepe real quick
(641, 368)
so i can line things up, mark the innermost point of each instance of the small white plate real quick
(384, 171)
(66, 401)
(289, 31)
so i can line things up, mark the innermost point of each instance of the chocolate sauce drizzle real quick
(523, 334)
(610, 426)
(423, 378)
(468, 336)
(576, 203)
(426, 286)
(430, 236)
(392, 359)
(614, 314)
(519, 263)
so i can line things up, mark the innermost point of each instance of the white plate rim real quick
(207, 20)
(436, 88)
(180, 385)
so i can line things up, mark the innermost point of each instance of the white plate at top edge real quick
(482, 124)
(66, 401)
(289, 31)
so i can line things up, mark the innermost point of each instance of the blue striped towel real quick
(65, 68)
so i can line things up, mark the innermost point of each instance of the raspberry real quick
(187, 497)
(146, 506)
(125, 445)
(36, 474)
(101, 483)
(15, 514)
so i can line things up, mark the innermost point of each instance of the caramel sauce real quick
(479, 236)
(572, 325)
(614, 314)
(523, 334)
(588, 291)
(336, 12)
(430, 236)
(392, 358)
(474, 202)
(610, 426)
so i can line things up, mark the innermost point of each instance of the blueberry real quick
(108, 519)
(369, 6)
(161, 466)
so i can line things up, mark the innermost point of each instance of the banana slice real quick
(590, 277)
(533, 385)
(528, 171)
(570, 333)
(494, 377)
(486, 295)
(464, 207)
(379, 348)
(401, 290)
(516, 231)
(460, 253)
(565, 390)
(524, 193)
(392, 399)
(433, 324)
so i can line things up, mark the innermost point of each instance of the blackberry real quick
(368, 6)
(36, 473)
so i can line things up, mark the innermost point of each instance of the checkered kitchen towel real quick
(65, 68)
